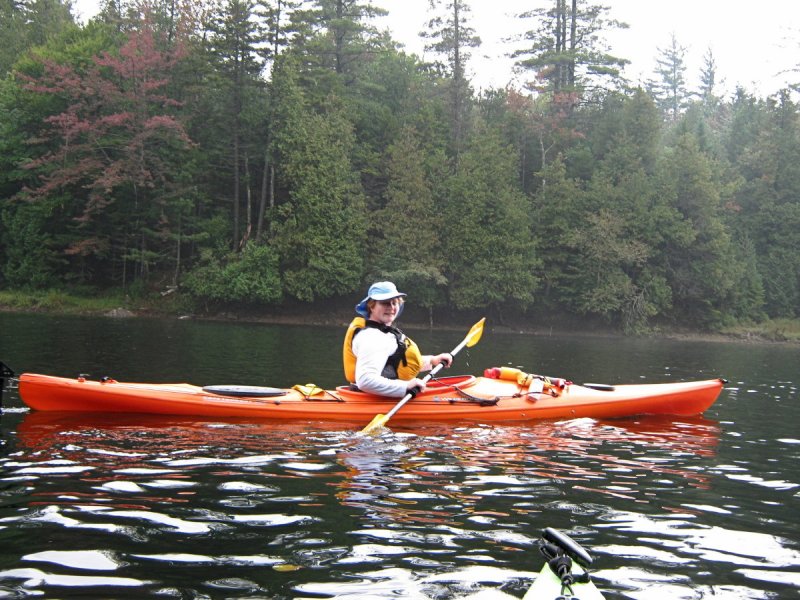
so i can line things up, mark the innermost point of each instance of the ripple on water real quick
(35, 578)
(247, 510)
(94, 560)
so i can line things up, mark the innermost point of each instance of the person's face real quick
(385, 311)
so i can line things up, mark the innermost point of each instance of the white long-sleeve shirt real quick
(372, 348)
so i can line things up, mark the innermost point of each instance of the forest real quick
(273, 153)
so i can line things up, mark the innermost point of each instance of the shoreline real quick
(338, 319)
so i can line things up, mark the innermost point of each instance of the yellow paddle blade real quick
(377, 423)
(475, 333)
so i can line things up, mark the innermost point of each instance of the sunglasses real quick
(392, 302)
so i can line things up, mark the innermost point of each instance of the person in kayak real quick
(378, 357)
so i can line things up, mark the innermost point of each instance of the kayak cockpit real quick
(438, 385)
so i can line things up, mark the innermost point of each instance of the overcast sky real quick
(754, 42)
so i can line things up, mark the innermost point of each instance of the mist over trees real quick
(274, 152)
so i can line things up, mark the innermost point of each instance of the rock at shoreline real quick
(120, 313)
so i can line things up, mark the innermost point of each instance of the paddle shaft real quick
(410, 395)
(472, 338)
(428, 377)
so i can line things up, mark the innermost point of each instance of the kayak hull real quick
(459, 398)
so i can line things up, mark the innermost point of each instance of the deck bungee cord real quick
(559, 578)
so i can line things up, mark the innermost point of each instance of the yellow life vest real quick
(404, 364)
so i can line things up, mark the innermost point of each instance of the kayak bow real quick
(559, 578)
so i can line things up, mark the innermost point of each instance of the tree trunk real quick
(177, 272)
(458, 81)
(249, 203)
(338, 36)
(262, 199)
(561, 43)
(573, 41)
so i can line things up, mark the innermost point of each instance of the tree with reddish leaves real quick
(113, 157)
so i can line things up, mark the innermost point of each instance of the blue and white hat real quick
(382, 290)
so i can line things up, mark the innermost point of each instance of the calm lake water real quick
(134, 506)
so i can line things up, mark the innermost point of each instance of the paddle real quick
(472, 338)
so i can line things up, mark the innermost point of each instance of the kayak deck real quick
(565, 573)
(547, 586)
(456, 398)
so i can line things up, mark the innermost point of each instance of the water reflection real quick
(441, 511)
(515, 462)
(129, 506)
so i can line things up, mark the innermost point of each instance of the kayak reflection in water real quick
(378, 357)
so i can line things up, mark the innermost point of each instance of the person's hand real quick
(415, 386)
(445, 358)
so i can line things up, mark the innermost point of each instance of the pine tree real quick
(489, 250)
(669, 89)
(708, 80)
(234, 41)
(451, 36)
(566, 51)
(334, 37)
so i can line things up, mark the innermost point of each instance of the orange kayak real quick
(459, 398)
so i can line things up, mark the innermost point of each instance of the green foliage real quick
(64, 301)
(406, 231)
(669, 89)
(565, 49)
(25, 25)
(265, 158)
(248, 277)
(320, 224)
(778, 330)
(389, 96)
(700, 267)
(30, 260)
(555, 211)
(490, 252)
(234, 49)
(609, 262)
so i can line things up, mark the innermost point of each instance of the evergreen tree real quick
(708, 80)
(621, 228)
(277, 17)
(28, 23)
(699, 264)
(320, 217)
(555, 210)
(408, 248)
(235, 39)
(490, 254)
(565, 48)
(334, 37)
(451, 36)
(768, 200)
(669, 89)
(390, 96)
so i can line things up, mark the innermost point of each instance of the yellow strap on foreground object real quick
(308, 389)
